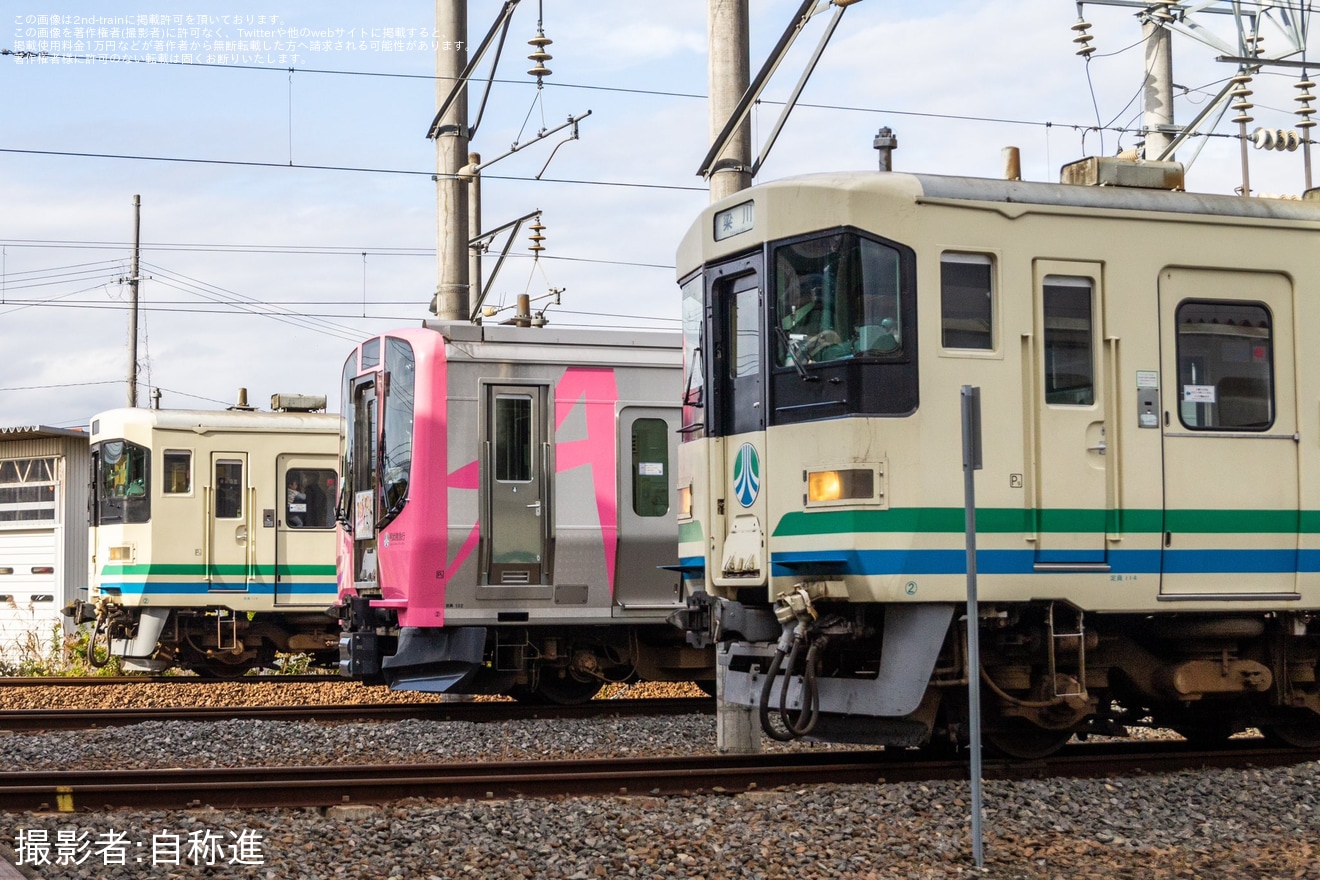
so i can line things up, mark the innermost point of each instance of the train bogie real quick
(212, 538)
(1143, 514)
(512, 528)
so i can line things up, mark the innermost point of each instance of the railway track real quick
(331, 785)
(101, 680)
(83, 719)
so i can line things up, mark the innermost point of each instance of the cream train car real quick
(212, 537)
(1149, 509)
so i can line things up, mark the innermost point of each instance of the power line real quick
(310, 250)
(286, 69)
(61, 385)
(239, 163)
(249, 304)
(241, 312)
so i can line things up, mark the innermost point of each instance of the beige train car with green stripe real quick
(1148, 512)
(213, 537)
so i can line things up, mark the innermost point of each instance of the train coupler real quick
(79, 612)
(708, 619)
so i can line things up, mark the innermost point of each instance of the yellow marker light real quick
(855, 484)
(685, 501)
(123, 553)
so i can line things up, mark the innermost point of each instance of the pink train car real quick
(508, 511)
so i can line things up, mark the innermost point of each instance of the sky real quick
(288, 209)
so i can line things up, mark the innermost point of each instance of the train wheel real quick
(525, 695)
(1300, 729)
(1018, 738)
(221, 671)
(568, 691)
(1203, 728)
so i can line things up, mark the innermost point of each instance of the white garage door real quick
(29, 597)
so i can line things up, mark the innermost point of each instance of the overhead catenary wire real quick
(213, 293)
(330, 250)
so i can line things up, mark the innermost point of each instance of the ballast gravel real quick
(1253, 823)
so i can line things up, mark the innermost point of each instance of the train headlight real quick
(854, 484)
(122, 553)
(685, 501)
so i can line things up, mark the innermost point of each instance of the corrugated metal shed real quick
(34, 602)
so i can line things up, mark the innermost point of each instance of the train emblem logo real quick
(747, 475)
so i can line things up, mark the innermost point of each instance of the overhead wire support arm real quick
(1218, 103)
(484, 239)
(757, 85)
(797, 90)
(501, 25)
(540, 136)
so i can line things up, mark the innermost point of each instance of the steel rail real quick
(103, 680)
(271, 787)
(477, 712)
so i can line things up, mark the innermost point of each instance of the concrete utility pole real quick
(133, 303)
(729, 73)
(451, 154)
(1157, 92)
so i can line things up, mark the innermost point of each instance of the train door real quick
(363, 441)
(304, 523)
(1228, 388)
(229, 544)
(1071, 497)
(515, 483)
(738, 523)
(648, 448)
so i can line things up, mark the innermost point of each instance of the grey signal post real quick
(971, 449)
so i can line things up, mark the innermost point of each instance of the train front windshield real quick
(836, 297)
(378, 411)
(121, 486)
(813, 327)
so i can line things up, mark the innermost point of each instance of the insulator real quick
(1276, 139)
(539, 56)
(1304, 111)
(1083, 39)
(536, 238)
(1241, 78)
